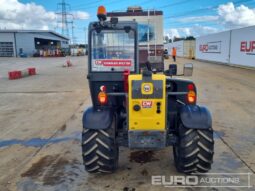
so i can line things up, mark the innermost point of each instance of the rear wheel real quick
(100, 150)
(194, 151)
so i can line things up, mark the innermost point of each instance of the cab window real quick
(113, 50)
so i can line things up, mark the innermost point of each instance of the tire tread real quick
(99, 150)
(195, 150)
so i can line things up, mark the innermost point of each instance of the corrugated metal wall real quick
(7, 37)
(25, 41)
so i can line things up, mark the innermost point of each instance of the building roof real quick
(142, 13)
(134, 11)
(33, 31)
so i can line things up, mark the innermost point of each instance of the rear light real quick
(103, 88)
(125, 76)
(191, 96)
(102, 98)
(191, 87)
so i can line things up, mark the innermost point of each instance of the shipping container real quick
(178, 45)
(242, 51)
(189, 49)
(214, 47)
(184, 48)
(234, 47)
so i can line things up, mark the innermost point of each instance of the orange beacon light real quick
(101, 13)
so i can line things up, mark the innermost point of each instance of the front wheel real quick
(100, 150)
(194, 151)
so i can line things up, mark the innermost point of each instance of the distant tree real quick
(190, 38)
(178, 39)
(82, 46)
(166, 38)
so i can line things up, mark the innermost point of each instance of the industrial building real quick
(15, 43)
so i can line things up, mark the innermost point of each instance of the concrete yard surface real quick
(41, 124)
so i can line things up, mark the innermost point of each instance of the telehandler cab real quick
(139, 109)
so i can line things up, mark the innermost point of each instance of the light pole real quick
(86, 39)
(85, 31)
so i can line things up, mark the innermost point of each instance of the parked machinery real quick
(139, 110)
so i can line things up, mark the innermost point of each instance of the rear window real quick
(113, 51)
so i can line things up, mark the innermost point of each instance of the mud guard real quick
(97, 119)
(195, 117)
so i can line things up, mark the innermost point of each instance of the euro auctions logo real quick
(220, 180)
(248, 47)
(210, 47)
(203, 48)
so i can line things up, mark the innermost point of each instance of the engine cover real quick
(147, 102)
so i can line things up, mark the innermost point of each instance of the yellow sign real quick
(147, 88)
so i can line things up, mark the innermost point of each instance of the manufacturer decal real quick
(146, 104)
(118, 63)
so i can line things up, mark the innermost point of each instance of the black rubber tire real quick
(194, 151)
(100, 150)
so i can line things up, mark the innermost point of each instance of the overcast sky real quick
(181, 17)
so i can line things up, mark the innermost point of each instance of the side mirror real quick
(127, 29)
(188, 69)
(172, 71)
(154, 71)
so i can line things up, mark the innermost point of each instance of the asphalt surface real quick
(40, 124)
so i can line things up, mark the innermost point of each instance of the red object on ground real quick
(11, 75)
(32, 71)
(68, 63)
(125, 76)
(17, 74)
(14, 75)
